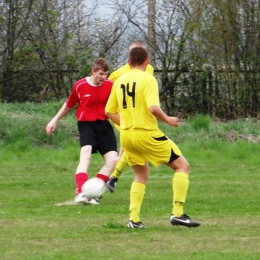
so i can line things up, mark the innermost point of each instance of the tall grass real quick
(23, 126)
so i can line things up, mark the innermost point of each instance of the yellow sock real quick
(136, 199)
(120, 167)
(180, 184)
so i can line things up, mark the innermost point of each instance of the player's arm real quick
(115, 118)
(111, 108)
(160, 115)
(151, 94)
(61, 113)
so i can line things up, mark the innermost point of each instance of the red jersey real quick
(91, 99)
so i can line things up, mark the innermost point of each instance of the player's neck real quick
(92, 81)
(139, 67)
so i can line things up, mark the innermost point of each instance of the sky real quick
(102, 8)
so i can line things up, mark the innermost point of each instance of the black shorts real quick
(99, 134)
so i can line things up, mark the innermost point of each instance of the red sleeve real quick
(73, 99)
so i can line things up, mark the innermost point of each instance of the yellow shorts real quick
(153, 146)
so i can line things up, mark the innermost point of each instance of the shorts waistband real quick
(138, 130)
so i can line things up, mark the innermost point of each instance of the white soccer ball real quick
(94, 188)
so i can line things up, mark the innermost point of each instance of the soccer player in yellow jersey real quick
(122, 163)
(134, 106)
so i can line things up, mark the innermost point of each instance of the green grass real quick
(36, 173)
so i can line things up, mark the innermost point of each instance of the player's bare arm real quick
(115, 118)
(52, 124)
(160, 115)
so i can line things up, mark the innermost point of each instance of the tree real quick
(151, 29)
(166, 35)
(55, 45)
(205, 53)
(15, 17)
(225, 47)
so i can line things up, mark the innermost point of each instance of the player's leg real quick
(180, 184)
(138, 163)
(82, 176)
(107, 147)
(110, 162)
(161, 149)
(81, 173)
(88, 146)
(120, 167)
(121, 164)
(104, 173)
(87, 137)
(137, 194)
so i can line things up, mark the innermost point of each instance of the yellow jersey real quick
(132, 94)
(119, 72)
(122, 70)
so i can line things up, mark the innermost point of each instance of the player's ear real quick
(128, 61)
(146, 62)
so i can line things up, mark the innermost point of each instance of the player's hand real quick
(173, 121)
(50, 128)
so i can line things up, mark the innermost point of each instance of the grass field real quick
(223, 195)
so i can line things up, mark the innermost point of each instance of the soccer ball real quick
(94, 188)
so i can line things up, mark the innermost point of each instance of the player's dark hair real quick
(100, 64)
(137, 56)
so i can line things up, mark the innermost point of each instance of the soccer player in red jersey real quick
(96, 134)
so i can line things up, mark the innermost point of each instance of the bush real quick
(23, 125)
(201, 122)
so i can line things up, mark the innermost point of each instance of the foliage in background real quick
(48, 45)
(23, 126)
(205, 53)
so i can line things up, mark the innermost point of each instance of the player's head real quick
(100, 64)
(99, 71)
(138, 56)
(136, 44)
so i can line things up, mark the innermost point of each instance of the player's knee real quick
(85, 157)
(187, 167)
